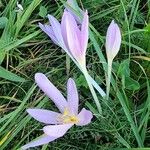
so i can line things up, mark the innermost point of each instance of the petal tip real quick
(40, 24)
(29, 110)
(38, 75)
(70, 80)
(85, 117)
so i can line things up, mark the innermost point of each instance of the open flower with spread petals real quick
(68, 35)
(57, 124)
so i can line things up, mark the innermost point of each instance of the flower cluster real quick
(72, 36)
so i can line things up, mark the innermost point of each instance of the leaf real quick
(24, 18)
(124, 69)
(3, 22)
(142, 57)
(43, 11)
(2, 56)
(81, 81)
(131, 84)
(10, 76)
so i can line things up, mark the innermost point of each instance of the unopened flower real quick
(57, 124)
(68, 35)
(113, 40)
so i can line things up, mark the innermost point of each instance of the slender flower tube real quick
(113, 42)
(57, 124)
(69, 35)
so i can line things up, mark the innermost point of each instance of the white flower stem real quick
(86, 75)
(108, 78)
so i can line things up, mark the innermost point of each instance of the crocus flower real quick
(57, 124)
(68, 35)
(113, 40)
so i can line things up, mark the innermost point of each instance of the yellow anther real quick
(67, 117)
(70, 119)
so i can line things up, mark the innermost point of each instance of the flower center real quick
(66, 117)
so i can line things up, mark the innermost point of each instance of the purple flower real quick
(113, 40)
(57, 124)
(68, 35)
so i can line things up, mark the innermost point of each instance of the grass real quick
(25, 50)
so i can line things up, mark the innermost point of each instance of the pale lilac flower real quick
(68, 35)
(113, 40)
(57, 124)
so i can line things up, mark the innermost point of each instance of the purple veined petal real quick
(48, 30)
(84, 33)
(57, 130)
(44, 116)
(44, 139)
(85, 117)
(73, 35)
(51, 91)
(57, 30)
(72, 96)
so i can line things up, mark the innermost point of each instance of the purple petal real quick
(51, 91)
(113, 40)
(44, 139)
(48, 30)
(57, 30)
(63, 29)
(57, 130)
(72, 96)
(44, 116)
(84, 33)
(73, 35)
(85, 117)
(110, 35)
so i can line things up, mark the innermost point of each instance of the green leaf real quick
(81, 81)
(10, 76)
(2, 56)
(3, 22)
(124, 69)
(43, 11)
(131, 84)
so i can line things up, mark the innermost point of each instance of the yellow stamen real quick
(67, 117)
